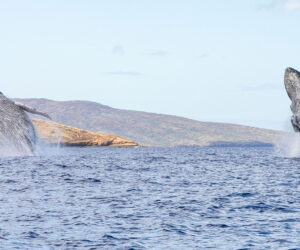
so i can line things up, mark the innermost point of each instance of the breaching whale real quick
(16, 129)
(292, 86)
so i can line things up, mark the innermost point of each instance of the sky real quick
(209, 60)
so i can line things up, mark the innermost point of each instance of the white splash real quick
(9, 149)
(288, 144)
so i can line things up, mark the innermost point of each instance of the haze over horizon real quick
(205, 60)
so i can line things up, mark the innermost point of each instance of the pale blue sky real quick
(210, 60)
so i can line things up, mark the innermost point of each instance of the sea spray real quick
(43, 148)
(8, 148)
(15, 146)
(288, 144)
(17, 132)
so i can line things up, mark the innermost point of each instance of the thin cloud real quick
(288, 5)
(159, 53)
(118, 50)
(124, 73)
(268, 6)
(292, 5)
(204, 55)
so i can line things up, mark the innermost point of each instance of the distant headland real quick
(147, 129)
(54, 133)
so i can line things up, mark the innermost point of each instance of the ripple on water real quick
(156, 198)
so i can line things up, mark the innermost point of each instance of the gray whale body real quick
(292, 86)
(17, 132)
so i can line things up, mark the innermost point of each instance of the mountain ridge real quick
(149, 129)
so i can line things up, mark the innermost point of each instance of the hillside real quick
(52, 133)
(148, 129)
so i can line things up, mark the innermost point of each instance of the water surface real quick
(150, 198)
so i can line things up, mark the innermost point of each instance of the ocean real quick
(151, 198)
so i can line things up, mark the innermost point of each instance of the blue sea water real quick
(151, 198)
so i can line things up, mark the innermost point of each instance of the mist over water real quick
(9, 148)
(288, 144)
(42, 148)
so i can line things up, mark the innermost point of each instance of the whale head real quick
(292, 86)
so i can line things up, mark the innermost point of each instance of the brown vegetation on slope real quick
(52, 133)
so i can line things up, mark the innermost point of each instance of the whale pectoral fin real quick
(292, 86)
(32, 110)
(292, 83)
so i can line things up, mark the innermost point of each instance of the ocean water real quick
(151, 198)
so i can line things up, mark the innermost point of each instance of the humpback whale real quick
(16, 129)
(292, 86)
